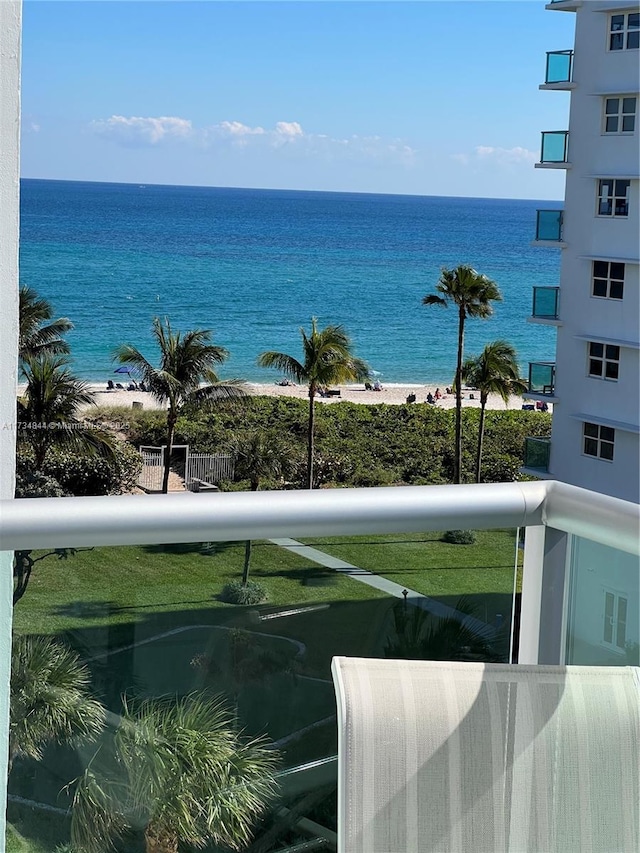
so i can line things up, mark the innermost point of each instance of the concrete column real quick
(10, 32)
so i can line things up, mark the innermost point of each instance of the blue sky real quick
(428, 98)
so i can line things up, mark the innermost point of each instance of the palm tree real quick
(472, 294)
(47, 411)
(259, 454)
(186, 375)
(179, 771)
(49, 700)
(37, 335)
(494, 371)
(327, 360)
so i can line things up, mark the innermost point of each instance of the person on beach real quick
(438, 394)
(377, 386)
(430, 398)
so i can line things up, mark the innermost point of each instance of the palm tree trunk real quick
(247, 562)
(312, 394)
(483, 403)
(171, 425)
(160, 840)
(457, 462)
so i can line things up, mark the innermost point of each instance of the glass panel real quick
(622, 188)
(628, 105)
(541, 378)
(611, 370)
(628, 124)
(599, 287)
(595, 368)
(634, 20)
(609, 603)
(591, 429)
(617, 22)
(601, 269)
(154, 624)
(536, 453)
(617, 41)
(611, 106)
(559, 67)
(605, 208)
(598, 577)
(616, 290)
(612, 351)
(607, 433)
(549, 225)
(633, 41)
(617, 271)
(554, 147)
(591, 446)
(611, 125)
(545, 302)
(621, 623)
(596, 349)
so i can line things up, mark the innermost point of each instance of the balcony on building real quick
(554, 150)
(542, 379)
(559, 71)
(279, 684)
(546, 301)
(536, 455)
(549, 230)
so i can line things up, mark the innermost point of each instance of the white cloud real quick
(289, 128)
(499, 156)
(137, 130)
(288, 137)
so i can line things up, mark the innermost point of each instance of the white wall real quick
(597, 72)
(10, 27)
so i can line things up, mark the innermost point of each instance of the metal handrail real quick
(157, 519)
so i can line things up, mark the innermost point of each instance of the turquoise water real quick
(255, 265)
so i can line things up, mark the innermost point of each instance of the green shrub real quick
(460, 537)
(238, 593)
(94, 475)
(35, 484)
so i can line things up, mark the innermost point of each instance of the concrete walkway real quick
(383, 584)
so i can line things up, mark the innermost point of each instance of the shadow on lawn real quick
(205, 549)
(100, 609)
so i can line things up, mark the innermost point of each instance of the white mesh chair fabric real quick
(490, 758)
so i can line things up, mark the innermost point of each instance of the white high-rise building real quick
(594, 384)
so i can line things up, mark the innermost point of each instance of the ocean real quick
(255, 265)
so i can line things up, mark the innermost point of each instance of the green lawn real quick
(482, 572)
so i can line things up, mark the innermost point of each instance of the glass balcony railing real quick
(545, 303)
(559, 66)
(549, 225)
(163, 637)
(555, 145)
(542, 378)
(536, 454)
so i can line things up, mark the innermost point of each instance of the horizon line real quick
(278, 189)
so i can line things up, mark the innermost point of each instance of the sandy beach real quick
(392, 394)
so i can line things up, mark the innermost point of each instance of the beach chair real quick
(110, 385)
(120, 386)
(487, 758)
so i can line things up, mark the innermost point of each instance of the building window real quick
(604, 361)
(624, 31)
(614, 627)
(619, 115)
(607, 281)
(598, 441)
(613, 197)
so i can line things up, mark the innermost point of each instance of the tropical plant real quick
(38, 333)
(50, 700)
(186, 375)
(419, 635)
(472, 294)
(494, 371)
(178, 770)
(244, 591)
(327, 360)
(259, 454)
(47, 412)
